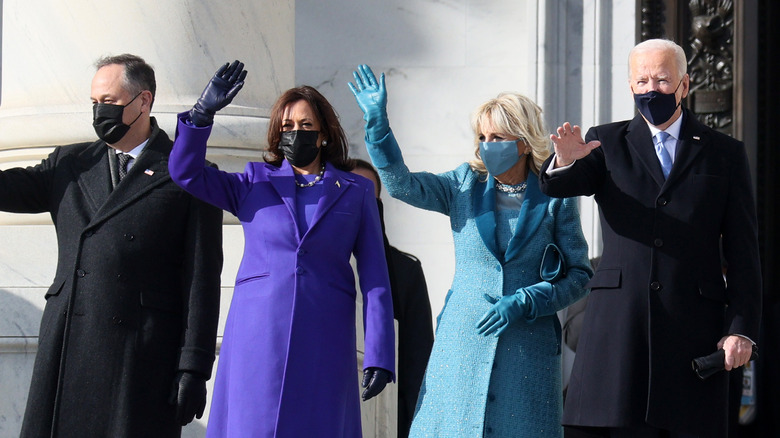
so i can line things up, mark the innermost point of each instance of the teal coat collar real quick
(532, 212)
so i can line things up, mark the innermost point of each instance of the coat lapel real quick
(148, 171)
(93, 176)
(641, 144)
(333, 187)
(689, 145)
(532, 213)
(283, 181)
(484, 194)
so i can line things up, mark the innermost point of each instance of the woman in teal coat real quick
(495, 368)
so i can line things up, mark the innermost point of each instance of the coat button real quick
(658, 243)
(117, 320)
(489, 429)
(81, 273)
(491, 397)
(299, 270)
(129, 237)
(498, 268)
(662, 201)
(89, 233)
(655, 286)
(301, 252)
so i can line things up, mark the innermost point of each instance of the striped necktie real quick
(123, 160)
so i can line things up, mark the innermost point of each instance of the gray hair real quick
(661, 44)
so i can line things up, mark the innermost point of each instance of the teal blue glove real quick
(372, 99)
(507, 310)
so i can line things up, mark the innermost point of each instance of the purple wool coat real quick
(287, 366)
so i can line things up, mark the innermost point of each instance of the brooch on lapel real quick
(149, 172)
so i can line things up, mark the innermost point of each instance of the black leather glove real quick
(220, 91)
(374, 380)
(189, 396)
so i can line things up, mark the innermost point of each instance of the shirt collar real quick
(136, 151)
(673, 129)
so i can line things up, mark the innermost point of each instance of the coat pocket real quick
(250, 278)
(55, 287)
(606, 278)
(714, 290)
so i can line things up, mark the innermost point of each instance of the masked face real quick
(299, 147)
(657, 107)
(107, 121)
(499, 156)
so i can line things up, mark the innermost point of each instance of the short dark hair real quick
(365, 165)
(337, 150)
(139, 75)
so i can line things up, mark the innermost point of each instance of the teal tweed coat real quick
(507, 386)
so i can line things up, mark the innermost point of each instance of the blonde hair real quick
(516, 115)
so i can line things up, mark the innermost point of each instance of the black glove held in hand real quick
(220, 91)
(189, 396)
(374, 380)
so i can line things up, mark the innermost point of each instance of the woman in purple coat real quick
(288, 359)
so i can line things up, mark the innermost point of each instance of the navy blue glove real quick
(372, 99)
(374, 380)
(189, 396)
(220, 91)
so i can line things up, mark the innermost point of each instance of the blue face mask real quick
(657, 107)
(499, 156)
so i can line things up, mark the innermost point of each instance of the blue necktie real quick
(663, 154)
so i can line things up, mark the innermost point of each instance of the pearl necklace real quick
(314, 181)
(507, 188)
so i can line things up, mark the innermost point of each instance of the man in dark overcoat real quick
(671, 193)
(127, 338)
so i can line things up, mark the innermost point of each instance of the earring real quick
(324, 143)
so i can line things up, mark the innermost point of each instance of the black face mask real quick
(657, 107)
(299, 147)
(107, 121)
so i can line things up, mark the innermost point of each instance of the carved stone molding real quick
(652, 19)
(711, 62)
